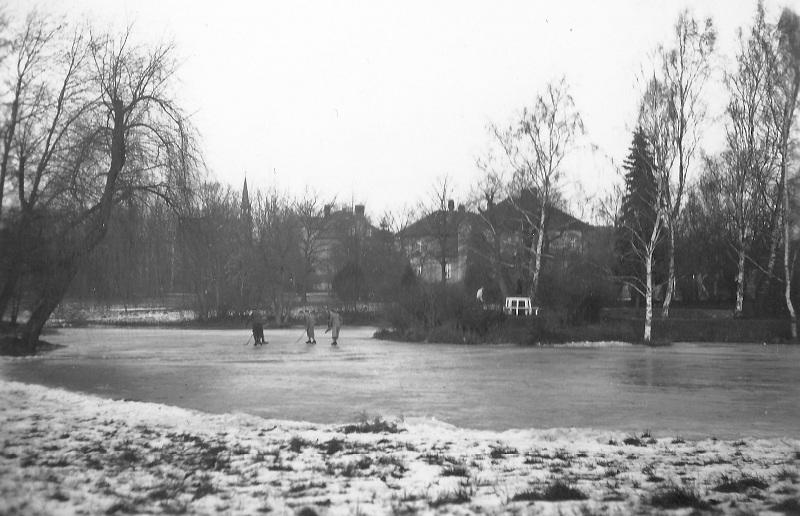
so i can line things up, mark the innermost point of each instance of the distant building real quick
(437, 244)
(443, 244)
(342, 240)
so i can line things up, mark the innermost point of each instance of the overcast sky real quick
(372, 101)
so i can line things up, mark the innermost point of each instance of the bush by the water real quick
(440, 313)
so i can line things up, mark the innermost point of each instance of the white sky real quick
(373, 101)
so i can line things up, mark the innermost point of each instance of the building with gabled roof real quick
(437, 244)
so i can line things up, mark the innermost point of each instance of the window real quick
(419, 270)
(447, 271)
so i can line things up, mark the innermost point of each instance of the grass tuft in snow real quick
(739, 485)
(455, 471)
(375, 426)
(500, 452)
(462, 494)
(298, 444)
(674, 496)
(558, 491)
(785, 473)
(788, 506)
(649, 471)
(333, 446)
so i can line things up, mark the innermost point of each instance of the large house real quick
(437, 244)
(497, 239)
(343, 233)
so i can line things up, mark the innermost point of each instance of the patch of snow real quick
(70, 453)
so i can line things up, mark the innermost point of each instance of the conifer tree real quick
(638, 212)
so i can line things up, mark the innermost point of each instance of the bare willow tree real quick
(535, 147)
(682, 70)
(111, 132)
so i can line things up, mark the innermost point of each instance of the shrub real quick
(440, 313)
(587, 310)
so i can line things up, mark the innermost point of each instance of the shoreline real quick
(65, 453)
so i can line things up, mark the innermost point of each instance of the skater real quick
(334, 323)
(258, 328)
(310, 322)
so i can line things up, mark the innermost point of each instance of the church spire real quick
(246, 208)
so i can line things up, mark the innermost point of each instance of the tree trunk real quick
(648, 297)
(671, 274)
(787, 269)
(788, 117)
(7, 292)
(501, 281)
(57, 281)
(740, 282)
(537, 265)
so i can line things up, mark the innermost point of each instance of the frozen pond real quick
(726, 391)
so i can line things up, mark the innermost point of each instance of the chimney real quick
(359, 210)
(451, 205)
(327, 210)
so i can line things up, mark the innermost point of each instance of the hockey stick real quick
(248, 340)
(300, 337)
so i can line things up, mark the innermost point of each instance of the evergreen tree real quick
(638, 211)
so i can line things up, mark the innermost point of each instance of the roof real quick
(431, 224)
(515, 212)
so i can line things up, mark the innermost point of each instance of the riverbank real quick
(69, 453)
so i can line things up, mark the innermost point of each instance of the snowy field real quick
(69, 453)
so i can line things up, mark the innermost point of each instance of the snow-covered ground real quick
(68, 453)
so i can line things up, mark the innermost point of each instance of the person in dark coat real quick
(335, 321)
(258, 328)
(310, 323)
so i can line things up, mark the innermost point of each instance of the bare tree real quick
(499, 250)
(749, 166)
(535, 146)
(652, 113)
(207, 230)
(787, 89)
(441, 225)
(126, 137)
(47, 100)
(683, 72)
(277, 239)
(310, 211)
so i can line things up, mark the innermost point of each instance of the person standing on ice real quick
(334, 323)
(258, 328)
(310, 322)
